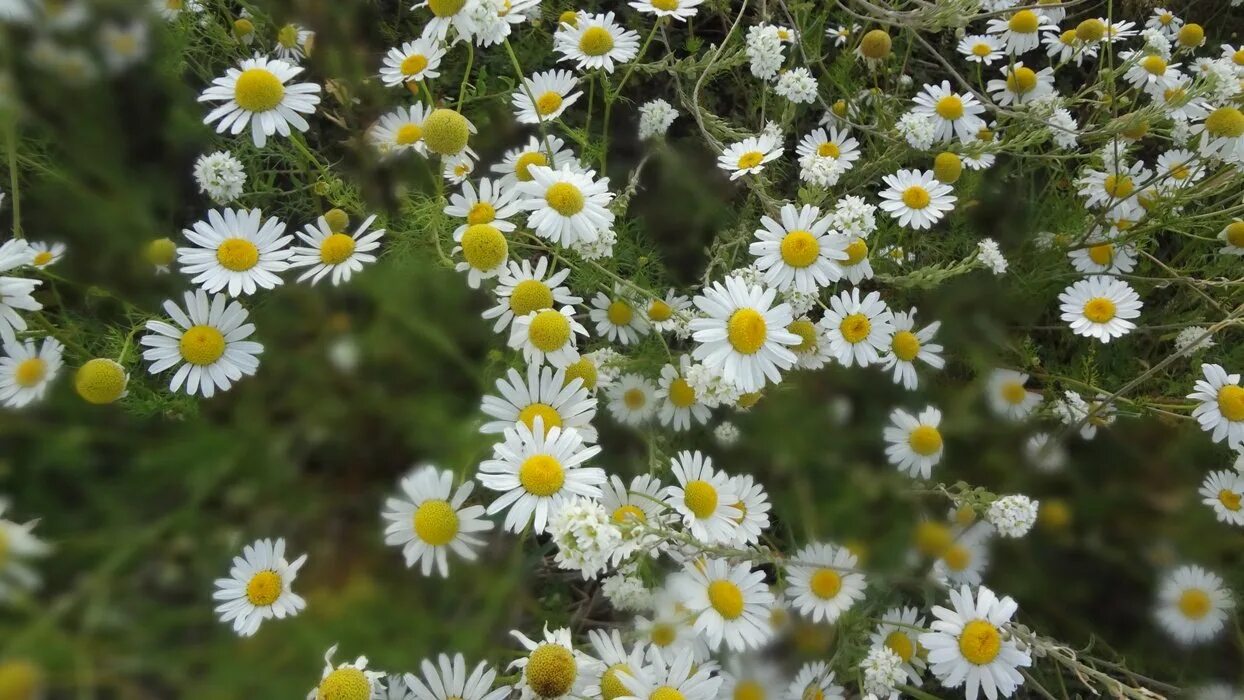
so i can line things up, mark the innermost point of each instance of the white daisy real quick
(1221, 409)
(1179, 168)
(1150, 72)
(1020, 32)
(679, 406)
(858, 330)
(547, 335)
(1104, 257)
(836, 144)
(616, 317)
(1020, 84)
(449, 680)
(635, 508)
(15, 292)
(909, 345)
(801, 252)
(553, 668)
(546, 393)
(348, 680)
(515, 165)
(1115, 189)
(680, 677)
(730, 602)
(485, 252)
(457, 168)
(431, 520)
(567, 206)
(544, 96)
(680, 10)
(446, 15)
(293, 43)
(522, 289)
(1232, 236)
(1193, 604)
(1224, 492)
(632, 399)
(208, 345)
(916, 199)
(914, 442)
(412, 61)
(969, 645)
(1007, 395)
(258, 587)
(258, 93)
(965, 559)
(705, 498)
(670, 313)
(814, 682)
(749, 155)
(824, 581)
(536, 471)
(1100, 307)
(46, 254)
(27, 370)
(20, 546)
(236, 251)
(814, 350)
(897, 631)
(1221, 134)
(400, 131)
(954, 114)
(595, 42)
(743, 333)
(754, 506)
(981, 48)
(334, 253)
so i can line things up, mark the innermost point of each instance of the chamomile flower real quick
(537, 470)
(400, 131)
(616, 317)
(544, 96)
(824, 581)
(1021, 85)
(1193, 604)
(258, 93)
(446, 15)
(237, 251)
(914, 442)
(1178, 168)
(743, 333)
(678, 405)
(208, 344)
(754, 506)
(916, 199)
(456, 169)
(969, 645)
(856, 267)
(596, 42)
(566, 205)
(859, 330)
(705, 498)
(800, 252)
(27, 370)
(897, 631)
(1103, 257)
(546, 393)
(965, 558)
(835, 144)
(953, 114)
(730, 602)
(680, 10)
(632, 399)
(1021, 32)
(1100, 307)
(1221, 134)
(670, 313)
(814, 350)
(334, 254)
(124, 45)
(1063, 46)
(1224, 492)
(1115, 188)
(750, 678)
(485, 252)
(449, 680)
(1008, 397)
(172, 9)
(605, 680)
(412, 61)
(552, 668)
(15, 292)
(981, 48)
(635, 507)
(258, 587)
(679, 676)
(20, 546)
(1150, 72)
(749, 155)
(908, 345)
(515, 166)
(522, 289)
(815, 682)
(347, 680)
(547, 335)
(429, 520)
(1221, 408)
(293, 43)
(1232, 236)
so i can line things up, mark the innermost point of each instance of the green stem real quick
(10, 141)
(466, 73)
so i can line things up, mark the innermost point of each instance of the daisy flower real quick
(1221, 134)
(705, 498)
(446, 15)
(1150, 72)
(522, 289)
(616, 318)
(1193, 604)
(544, 96)
(680, 10)
(21, 545)
(1063, 46)
(1115, 188)
(965, 559)
(485, 252)
(916, 199)
(968, 645)
(814, 350)
(172, 9)
(1007, 395)
(1104, 257)
(334, 253)
(1021, 84)
(909, 345)
(1100, 307)
(1232, 236)
(412, 61)
(207, 345)
(1164, 21)
(46, 254)
(678, 677)
(567, 206)
(536, 471)
(258, 93)
(669, 313)
(814, 682)
(858, 330)
(837, 145)
(236, 250)
(492, 204)
(750, 678)
(547, 335)
(615, 663)
(1179, 168)
(754, 506)
(400, 131)
(27, 370)
(749, 155)
(670, 629)
(1224, 492)
(800, 252)
(515, 165)
(897, 631)
(632, 399)
(679, 406)
(448, 680)
(595, 42)
(1020, 32)
(856, 267)
(730, 602)
(915, 443)
(293, 43)
(552, 668)
(981, 48)
(546, 393)
(743, 333)
(1221, 409)
(824, 581)
(258, 587)
(347, 680)
(15, 292)
(953, 114)
(640, 505)
(430, 520)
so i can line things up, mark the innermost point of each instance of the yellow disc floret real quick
(1194, 603)
(905, 346)
(680, 393)
(237, 254)
(548, 103)
(548, 414)
(750, 159)
(564, 198)
(336, 249)
(264, 588)
(436, 522)
(916, 197)
(825, 583)
(947, 167)
(1024, 22)
(806, 330)
(596, 41)
(800, 249)
(899, 643)
(414, 64)
(700, 498)
(980, 642)
(30, 372)
(925, 440)
(1091, 30)
(258, 90)
(1191, 35)
(1099, 309)
(746, 331)
(202, 345)
(484, 247)
(530, 295)
(551, 671)
(1231, 402)
(949, 108)
(346, 683)
(446, 8)
(549, 330)
(726, 598)
(525, 161)
(620, 313)
(659, 311)
(100, 381)
(446, 132)
(585, 370)
(160, 251)
(855, 328)
(1021, 80)
(1225, 122)
(20, 680)
(611, 686)
(337, 220)
(875, 44)
(542, 475)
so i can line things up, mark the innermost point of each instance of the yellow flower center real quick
(947, 167)
(407, 134)
(527, 160)
(813, 692)
(1231, 402)
(445, 8)
(659, 311)
(1024, 22)
(1013, 392)
(237, 254)
(957, 557)
(663, 634)
(100, 381)
(550, 416)
(916, 197)
(875, 44)
(436, 523)
(839, 108)
(551, 670)
(620, 313)
(905, 346)
(288, 36)
(596, 41)
(1235, 233)
(264, 588)
(857, 250)
(748, 690)
(1154, 65)
(726, 598)
(548, 103)
(666, 5)
(666, 693)
(932, 538)
(43, 257)
(700, 498)
(583, 370)
(748, 400)
(981, 50)
(530, 295)
(258, 90)
(825, 583)
(1099, 309)
(949, 107)
(1194, 603)
(1238, 57)
(1021, 80)
(750, 159)
(202, 345)
(414, 64)
(446, 132)
(829, 149)
(344, 684)
(925, 440)
(747, 331)
(1102, 254)
(681, 394)
(336, 219)
(855, 328)
(1118, 187)
(800, 249)
(1229, 499)
(634, 398)
(965, 515)
(484, 247)
(1090, 30)
(980, 642)
(160, 251)
(611, 686)
(564, 198)
(243, 27)
(806, 331)
(1179, 171)
(1174, 96)
(899, 643)
(1191, 35)
(629, 514)
(30, 372)
(336, 249)
(541, 475)
(1225, 122)
(549, 330)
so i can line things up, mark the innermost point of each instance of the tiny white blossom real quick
(220, 176)
(991, 256)
(655, 118)
(1013, 516)
(585, 536)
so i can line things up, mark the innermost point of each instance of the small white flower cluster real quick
(1012, 516)
(991, 256)
(586, 539)
(764, 51)
(655, 118)
(220, 175)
